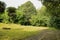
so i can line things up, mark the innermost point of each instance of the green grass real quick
(15, 34)
(18, 32)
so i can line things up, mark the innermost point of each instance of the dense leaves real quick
(53, 7)
(2, 6)
(2, 9)
(26, 14)
(11, 13)
(28, 10)
(42, 18)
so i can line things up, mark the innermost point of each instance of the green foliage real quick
(6, 17)
(26, 14)
(2, 6)
(1, 17)
(27, 10)
(53, 7)
(11, 11)
(2, 9)
(42, 18)
(12, 14)
(20, 17)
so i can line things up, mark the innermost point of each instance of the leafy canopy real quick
(2, 6)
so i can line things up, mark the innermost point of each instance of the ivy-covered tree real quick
(28, 10)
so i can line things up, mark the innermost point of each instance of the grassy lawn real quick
(18, 32)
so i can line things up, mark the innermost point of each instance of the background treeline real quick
(53, 8)
(26, 14)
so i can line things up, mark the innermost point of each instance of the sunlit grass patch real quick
(18, 32)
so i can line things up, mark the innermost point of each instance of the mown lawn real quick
(18, 32)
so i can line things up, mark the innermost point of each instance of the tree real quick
(2, 6)
(2, 9)
(28, 10)
(12, 13)
(53, 7)
(42, 18)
